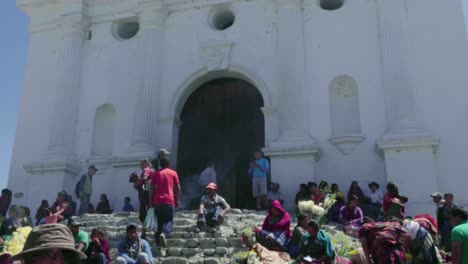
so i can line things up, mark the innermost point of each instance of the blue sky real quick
(13, 55)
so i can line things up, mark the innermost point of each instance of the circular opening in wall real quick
(126, 30)
(222, 18)
(331, 4)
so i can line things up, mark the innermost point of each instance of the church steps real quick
(188, 244)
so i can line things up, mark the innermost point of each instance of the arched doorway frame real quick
(169, 121)
(195, 80)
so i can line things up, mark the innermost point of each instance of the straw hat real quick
(47, 237)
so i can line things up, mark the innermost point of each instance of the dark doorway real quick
(221, 121)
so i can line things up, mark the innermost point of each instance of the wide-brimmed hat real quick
(47, 237)
(212, 186)
(375, 184)
(163, 152)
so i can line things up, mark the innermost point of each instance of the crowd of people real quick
(377, 219)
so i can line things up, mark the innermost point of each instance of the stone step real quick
(188, 243)
(201, 260)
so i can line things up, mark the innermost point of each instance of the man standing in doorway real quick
(165, 196)
(162, 153)
(86, 189)
(259, 169)
(207, 176)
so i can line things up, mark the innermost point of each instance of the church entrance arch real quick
(222, 122)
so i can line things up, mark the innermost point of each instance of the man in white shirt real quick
(375, 194)
(208, 175)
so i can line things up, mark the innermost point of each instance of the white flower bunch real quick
(310, 209)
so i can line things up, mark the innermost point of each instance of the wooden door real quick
(222, 121)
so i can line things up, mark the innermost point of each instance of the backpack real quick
(77, 188)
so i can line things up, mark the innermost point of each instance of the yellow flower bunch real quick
(16, 243)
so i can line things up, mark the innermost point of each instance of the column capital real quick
(73, 26)
(152, 14)
(290, 3)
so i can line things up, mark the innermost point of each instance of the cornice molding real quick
(58, 165)
(346, 143)
(411, 144)
(313, 150)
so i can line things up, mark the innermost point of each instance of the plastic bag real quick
(151, 222)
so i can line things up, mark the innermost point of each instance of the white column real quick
(395, 44)
(63, 130)
(291, 70)
(408, 148)
(293, 154)
(146, 116)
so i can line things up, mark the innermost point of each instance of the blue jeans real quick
(165, 216)
(84, 203)
(211, 218)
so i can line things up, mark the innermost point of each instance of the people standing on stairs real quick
(134, 249)
(259, 169)
(162, 153)
(165, 196)
(444, 223)
(143, 185)
(85, 189)
(207, 176)
(213, 208)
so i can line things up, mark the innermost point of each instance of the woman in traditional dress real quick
(391, 196)
(103, 206)
(316, 245)
(420, 243)
(354, 189)
(142, 184)
(351, 216)
(275, 231)
(382, 242)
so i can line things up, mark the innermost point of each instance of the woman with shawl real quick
(275, 231)
(354, 189)
(420, 243)
(391, 195)
(316, 245)
(382, 242)
(103, 206)
(351, 216)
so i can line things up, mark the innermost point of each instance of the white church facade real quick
(335, 90)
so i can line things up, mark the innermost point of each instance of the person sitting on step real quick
(276, 231)
(213, 208)
(134, 249)
(98, 248)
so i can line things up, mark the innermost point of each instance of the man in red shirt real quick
(164, 195)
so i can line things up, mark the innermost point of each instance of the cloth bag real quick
(151, 222)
